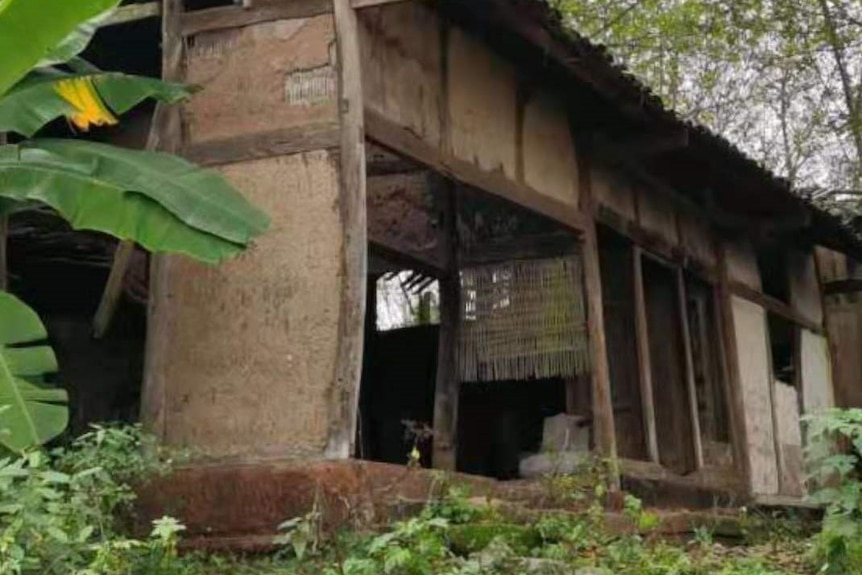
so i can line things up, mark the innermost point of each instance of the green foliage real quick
(59, 511)
(28, 36)
(834, 455)
(33, 413)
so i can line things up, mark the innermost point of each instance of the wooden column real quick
(644, 360)
(689, 368)
(166, 132)
(729, 355)
(604, 433)
(354, 264)
(447, 387)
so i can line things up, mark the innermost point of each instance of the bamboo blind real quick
(523, 319)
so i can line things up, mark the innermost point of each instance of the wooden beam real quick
(356, 4)
(344, 402)
(604, 432)
(400, 139)
(522, 248)
(113, 288)
(280, 142)
(447, 387)
(132, 13)
(731, 376)
(775, 306)
(841, 287)
(697, 439)
(260, 11)
(654, 244)
(644, 360)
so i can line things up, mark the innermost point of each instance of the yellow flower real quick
(89, 108)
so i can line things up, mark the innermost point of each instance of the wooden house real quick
(594, 255)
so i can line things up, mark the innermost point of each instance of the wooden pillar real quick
(447, 387)
(604, 433)
(729, 355)
(689, 368)
(354, 264)
(644, 359)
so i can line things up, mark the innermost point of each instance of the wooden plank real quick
(447, 387)
(729, 355)
(604, 431)
(167, 131)
(356, 4)
(261, 11)
(132, 13)
(689, 368)
(779, 456)
(389, 134)
(113, 288)
(773, 305)
(644, 362)
(536, 247)
(281, 142)
(354, 264)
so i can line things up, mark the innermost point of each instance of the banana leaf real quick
(201, 198)
(31, 29)
(76, 41)
(35, 101)
(32, 413)
(94, 193)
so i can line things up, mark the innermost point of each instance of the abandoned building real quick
(593, 254)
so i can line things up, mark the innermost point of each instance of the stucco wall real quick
(250, 345)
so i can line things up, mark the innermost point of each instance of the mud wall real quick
(243, 357)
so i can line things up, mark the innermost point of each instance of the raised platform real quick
(238, 506)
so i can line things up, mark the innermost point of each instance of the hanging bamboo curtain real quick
(523, 319)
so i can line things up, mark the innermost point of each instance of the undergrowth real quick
(68, 512)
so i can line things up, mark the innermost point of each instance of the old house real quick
(594, 256)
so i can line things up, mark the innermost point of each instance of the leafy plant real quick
(834, 456)
(159, 201)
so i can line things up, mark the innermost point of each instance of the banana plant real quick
(157, 200)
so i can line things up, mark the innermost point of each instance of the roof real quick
(531, 30)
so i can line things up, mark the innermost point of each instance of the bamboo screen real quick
(523, 319)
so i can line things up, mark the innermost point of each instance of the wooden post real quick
(644, 360)
(123, 253)
(689, 368)
(729, 354)
(447, 387)
(604, 433)
(167, 136)
(354, 264)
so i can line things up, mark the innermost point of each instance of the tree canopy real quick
(780, 78)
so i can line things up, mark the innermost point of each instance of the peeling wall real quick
(742, 263)
(805, 296)
(450, 90)
(259, 78)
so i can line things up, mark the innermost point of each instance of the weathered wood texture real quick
(752, 346)
(644, 366)
(444, 98)
(697, 438)
(844, 324)
(258, 12)
(742, 264)
(604, 433)
(789, 439)
(817, 392)
(344, 395)
(805, 297)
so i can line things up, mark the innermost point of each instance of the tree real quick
(780, 78)
(157, 200)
